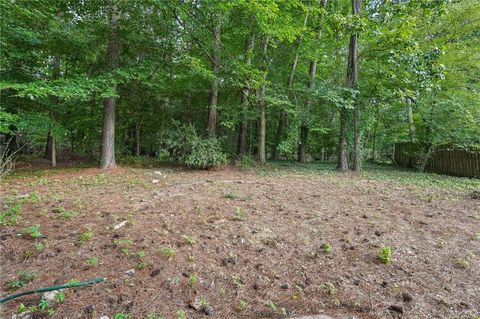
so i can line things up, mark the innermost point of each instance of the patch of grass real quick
(189, 240)
(85, 237)
(328, 287)
(169, 252)
(121, 315)
(34, 231)
(230, 195)
(242, 305)
(10, 217)
(239, 214)
(192, 280)
(59, 297)
(385, 255)
(327, 248)
(24, 277)
(463, 263)
(92, 261)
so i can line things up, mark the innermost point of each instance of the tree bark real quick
(352, 77)
(261, 106)
(212, 110)
(357, 164)
(283, 113)
(411, 127)
(51, 151)
(302, 145)
(242, 127)
(138, 124)
(109, 104)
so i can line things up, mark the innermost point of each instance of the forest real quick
(186, 159)
(205, 82)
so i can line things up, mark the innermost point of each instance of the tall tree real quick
(212, 110)
(261, 104)
(109, 103)
(242, 127)
(302, 145)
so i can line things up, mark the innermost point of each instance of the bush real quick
(186, 146)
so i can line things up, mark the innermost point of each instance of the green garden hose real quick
(35, 291)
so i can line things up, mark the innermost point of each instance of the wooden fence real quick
(456, 162)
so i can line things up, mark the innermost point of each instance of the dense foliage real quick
(238, 75)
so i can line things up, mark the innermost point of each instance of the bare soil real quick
(253, 242)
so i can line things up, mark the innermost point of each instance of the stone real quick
(313, 317)
(24, 315)
(285, 286)
(396, 308)
(130, 272)
(103, 317)
(155, 181)
(49, 295)
(407, 297)
(378, 233)
(158, 173)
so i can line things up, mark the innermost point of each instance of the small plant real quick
(154, 316)
(39, 247)
(327, 248)
(328, 287)
(168, 252)
(21, 308)
(192, 280)
(73, 281)
(204, 303)
(34, 231)
(24, 277)
(92, 261)
(34, 197)
(239, 215)
(59, 297)
(189, 239)
(385, 255)
(272, 306)
(242, 305)
(181, 314)
(9, 217)
(43, 304)
(85, 237)
(230, 195)
(121, 315)
(463, 263)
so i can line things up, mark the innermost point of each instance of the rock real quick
(407, 297)
(158, 173)
(378, 233)
(155, 181)
(285, 286)
(118, 226)
(208, 310)
(90, 309)
(130, 272)
(49, 295)
(396, 308)
(313, 317)
(155, 272)
(103, 317)
(24, 315)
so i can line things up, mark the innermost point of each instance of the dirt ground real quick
(238, 244)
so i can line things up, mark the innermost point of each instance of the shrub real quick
(186, 146)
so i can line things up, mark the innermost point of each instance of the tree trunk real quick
(302, 145)
(242, 127)
(212, 110)
(357, 164)
(411, 127)
(109, 104)
(283, 113)
(342, 164)
(261, 106)
(138, 124)
(51, 152)
(352, 76)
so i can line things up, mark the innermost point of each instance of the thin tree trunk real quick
(302, 145)
(109, 104)
(212, 110)
(411, 127)
(242, 127)
(352, 76)
(357, 164)
(375, 130)
(283, 113)
(138, 124)
(51, 143)
(261, 106)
